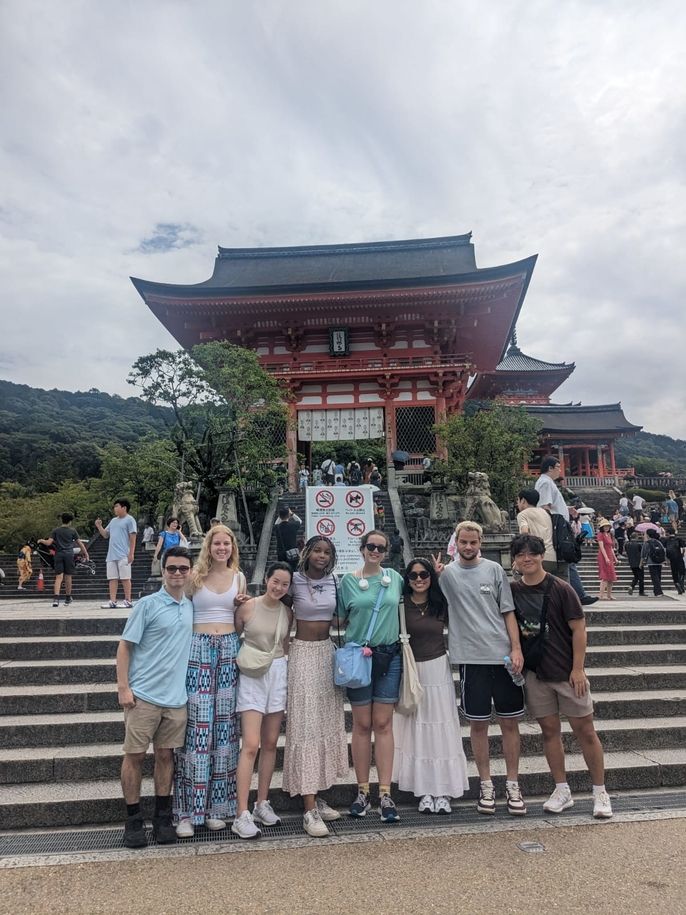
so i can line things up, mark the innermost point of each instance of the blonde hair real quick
(469, 526)
(202, 567)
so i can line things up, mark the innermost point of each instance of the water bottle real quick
(517, 679)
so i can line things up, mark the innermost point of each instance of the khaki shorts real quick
(544, 698)
(145, 722)
(118, 568)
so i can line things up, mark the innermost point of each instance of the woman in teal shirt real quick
(372, 705)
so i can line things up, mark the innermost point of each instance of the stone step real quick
(23, 765)
(50, 804)
(604, 614)
(47, 672)
(93, 726)
(637, 656)
(89, 696)
(637, 635)
(53, 647)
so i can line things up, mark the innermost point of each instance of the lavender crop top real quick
(209, 607)
(313, 601)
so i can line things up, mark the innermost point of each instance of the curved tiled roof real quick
(517, 361)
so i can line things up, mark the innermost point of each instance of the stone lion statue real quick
(479, 506)
(186, 509)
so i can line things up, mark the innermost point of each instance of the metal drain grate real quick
(62, 842)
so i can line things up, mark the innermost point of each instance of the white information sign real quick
(343, 514)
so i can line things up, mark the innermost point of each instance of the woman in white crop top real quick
(316, 752)
(205, 767)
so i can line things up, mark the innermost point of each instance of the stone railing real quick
(590, 482)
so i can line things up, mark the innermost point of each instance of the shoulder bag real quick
(411, 690)
(352, 661)
(533, 646)
(253, 661)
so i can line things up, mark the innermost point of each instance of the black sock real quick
(162, 804)
(133, 809)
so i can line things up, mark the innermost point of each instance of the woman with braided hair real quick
(316, 752)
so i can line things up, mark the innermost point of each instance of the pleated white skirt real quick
(429, 757)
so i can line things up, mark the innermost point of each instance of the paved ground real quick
(627, 868)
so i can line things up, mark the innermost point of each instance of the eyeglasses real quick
(413, 576)
(177, 570)
(375, 547)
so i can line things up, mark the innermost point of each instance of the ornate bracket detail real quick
(295, 338)
(440, 333)
(384, 334)
(388, 385)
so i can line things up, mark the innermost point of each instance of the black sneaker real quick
(56, 602)
(67, 600)
(360, 805)
(162, 830)
(387, 810)
(134, 834)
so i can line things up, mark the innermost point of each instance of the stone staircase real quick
(61, 729)
(84, 586)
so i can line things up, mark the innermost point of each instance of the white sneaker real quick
(215, 825)
(602, 808)
(426, 805)
(314, 825)
(244, 827)
(327, 814)
(185, 829)
(442, 805)
(559, 800)
(263, 813)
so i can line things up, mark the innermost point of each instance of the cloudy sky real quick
(136, 136)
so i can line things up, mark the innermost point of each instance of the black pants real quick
(656, 578)
(638, 579)
(677, 567)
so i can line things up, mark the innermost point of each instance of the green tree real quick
(497, 440)
(228, 413)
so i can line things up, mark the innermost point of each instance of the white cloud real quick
(545, 128)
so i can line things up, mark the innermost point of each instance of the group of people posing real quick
(184, 678)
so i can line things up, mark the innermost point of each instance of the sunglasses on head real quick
(180, 570)
(375, 547)
(413, 576)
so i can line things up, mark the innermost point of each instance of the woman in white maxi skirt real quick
(429, 757)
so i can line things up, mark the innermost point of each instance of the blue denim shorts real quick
(385, 687)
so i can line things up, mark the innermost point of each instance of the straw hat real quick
(603, 522)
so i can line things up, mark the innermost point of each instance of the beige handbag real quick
(411, 690)
(254, 662)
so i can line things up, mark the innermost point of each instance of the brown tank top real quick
(261, 630)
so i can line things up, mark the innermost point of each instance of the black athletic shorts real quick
(64, 563)
(483, 684)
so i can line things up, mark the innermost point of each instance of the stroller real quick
(46, 555)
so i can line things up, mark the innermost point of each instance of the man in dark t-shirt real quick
(64, 538)
(559, 684)
(286, 531)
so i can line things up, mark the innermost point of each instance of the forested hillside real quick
(47, 437)
(651, 454)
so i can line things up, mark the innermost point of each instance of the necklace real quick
(421, 608)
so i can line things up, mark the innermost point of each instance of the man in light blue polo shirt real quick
(152, 659)
(121, 533)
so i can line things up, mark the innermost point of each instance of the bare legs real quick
(132, 774)
(377, 717)
(126, 588)
(585, 733)
(509, 728)
(259, 732)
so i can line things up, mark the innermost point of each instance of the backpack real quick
(566, 547)
(396, 544)
(355, 475)
(656, 552)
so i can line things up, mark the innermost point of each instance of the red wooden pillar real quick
(441, 414)
(613, 465)
(587, 461)
(391, 431)
(561, 456)
(601, 461)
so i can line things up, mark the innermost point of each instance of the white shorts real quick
(118, 568)
(267, 693)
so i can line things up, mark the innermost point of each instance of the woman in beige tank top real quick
(266, 624)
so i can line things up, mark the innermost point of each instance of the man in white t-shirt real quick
(549, 496)
(638, 504)
(536, 521)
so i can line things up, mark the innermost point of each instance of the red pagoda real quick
(371, 340)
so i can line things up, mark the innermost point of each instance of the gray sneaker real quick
(244, 827)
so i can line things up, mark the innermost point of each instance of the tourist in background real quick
(316, 752)
(286, 529)
(24, 566)
(633, 549)
(607, 559)
(266, 624)
(653, 555)
(429, 758)
(638, 504)
(674, 548)
(303, 477)
(65, 539)
(148, 534)
(372, 706)
(169, 537)
(205, 779)
(121, 533)
(672, 510)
